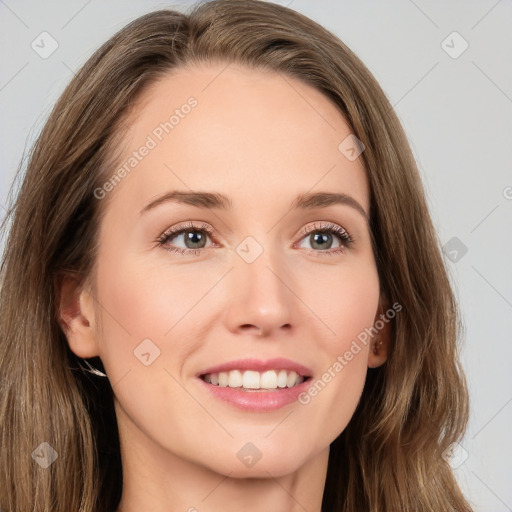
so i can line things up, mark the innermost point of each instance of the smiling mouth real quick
(250, 380)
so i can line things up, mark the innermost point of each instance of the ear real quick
(381, 341)
(75, 314)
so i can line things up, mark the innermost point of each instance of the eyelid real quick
(345, 238)
(191, 226)
(326, 226)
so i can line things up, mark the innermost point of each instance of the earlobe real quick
(379, 348)
(75, 314)
(378, 353)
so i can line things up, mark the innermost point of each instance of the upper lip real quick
(279, 363)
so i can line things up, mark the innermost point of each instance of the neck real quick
(157, 480)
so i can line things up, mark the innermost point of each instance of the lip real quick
(256, 401)
(279, 363)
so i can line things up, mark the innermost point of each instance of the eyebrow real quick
(216, 200)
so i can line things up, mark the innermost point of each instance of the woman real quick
(222, 288)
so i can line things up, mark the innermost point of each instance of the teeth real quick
(269, 380)
(292, 378)
(235, 379)
(250, 379)
(282, 379)
(223, 379)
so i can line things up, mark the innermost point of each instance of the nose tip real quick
(260, 301)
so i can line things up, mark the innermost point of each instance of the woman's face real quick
(257, 274)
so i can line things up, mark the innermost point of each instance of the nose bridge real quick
(260, 296)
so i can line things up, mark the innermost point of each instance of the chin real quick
(251, 462)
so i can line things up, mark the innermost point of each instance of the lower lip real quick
(258, 401)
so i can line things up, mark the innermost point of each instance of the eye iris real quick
(192, 236)
(321, 237)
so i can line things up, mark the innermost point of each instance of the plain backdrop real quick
(445, 66)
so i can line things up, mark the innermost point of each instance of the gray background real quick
(457, 113)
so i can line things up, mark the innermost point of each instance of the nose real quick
(261, 300)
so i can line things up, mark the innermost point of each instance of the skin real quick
(261, 140)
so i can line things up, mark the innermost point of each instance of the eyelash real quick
(344, 237)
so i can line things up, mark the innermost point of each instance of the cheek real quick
(346, 303)
(148, 298)
(344, 299)
(147, 336)
(332, 397)
(141, 302)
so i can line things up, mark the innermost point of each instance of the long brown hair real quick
(390, 456)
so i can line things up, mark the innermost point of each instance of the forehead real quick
(252, 133)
